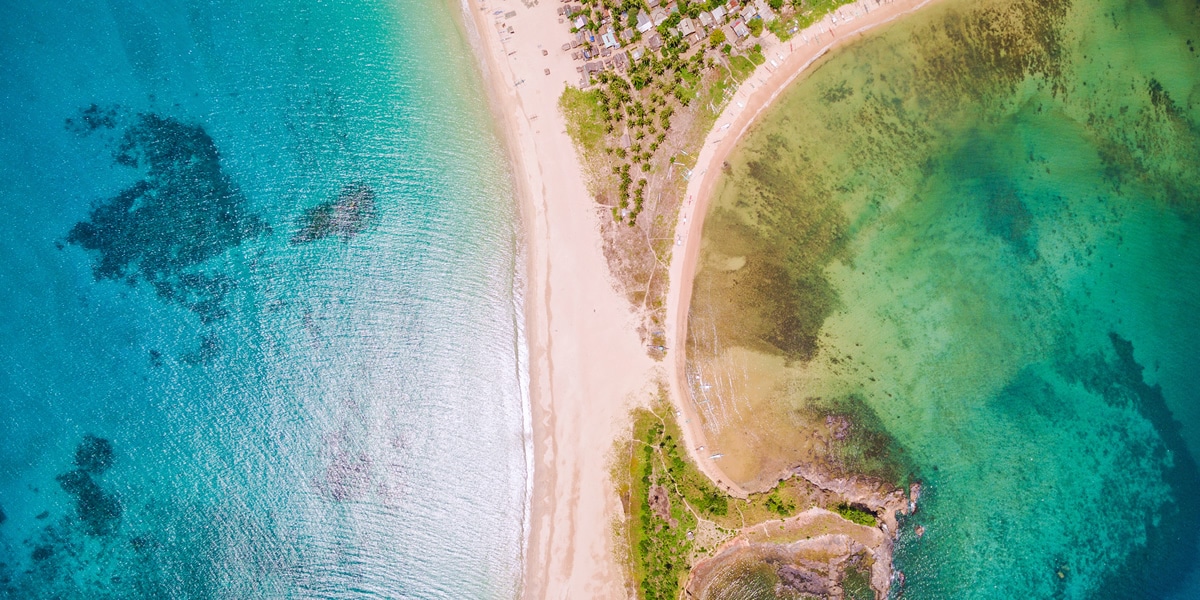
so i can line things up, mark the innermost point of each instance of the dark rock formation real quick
(99, 511)
(94, 454)
(345, 217)
(165, 228)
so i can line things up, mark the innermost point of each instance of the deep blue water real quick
(260, 323)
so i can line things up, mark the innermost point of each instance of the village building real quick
(644, 23)
(718, 14)
(637, 53)
(654, 41)
(658, 16)
(609, 39)
(739, 28)
(706, 20)
(686, 28)
(764, 11)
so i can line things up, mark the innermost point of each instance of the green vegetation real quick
(756, 26)
(659, 522)
(855, 514)
(584, 116)
(741, 67)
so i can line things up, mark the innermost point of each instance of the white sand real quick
(588, 366)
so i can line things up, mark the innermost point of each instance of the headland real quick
(588, 347)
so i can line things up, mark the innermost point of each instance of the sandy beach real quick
(587, 364)
(786, 61)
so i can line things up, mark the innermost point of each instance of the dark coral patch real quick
(164, 229)
(345, 217)
(99, 510)
(94, 454)
(91, 119)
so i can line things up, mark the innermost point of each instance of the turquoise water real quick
(981, 228)
(196, 400)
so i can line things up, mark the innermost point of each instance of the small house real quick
(654, 41)
(718, 14)
(706, 20)
(686, 27)
(609, 38)
(740, 29)
(644, 23)
(658, 16)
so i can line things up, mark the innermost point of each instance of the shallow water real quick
(265, 254)
(980, 227)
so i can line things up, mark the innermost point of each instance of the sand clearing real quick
(587, 365)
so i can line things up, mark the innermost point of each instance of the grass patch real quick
(585, 118)
(658, 520)
(741, 67)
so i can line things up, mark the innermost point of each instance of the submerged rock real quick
(94, 454)
(345, 217)
(165, 228)
(99, 510)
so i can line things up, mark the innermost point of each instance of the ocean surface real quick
(260, 315)
(976, 233)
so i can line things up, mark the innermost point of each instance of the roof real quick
(610, 40)
(706, 19)
(659, 16)
(654, 41)
(718, 13)
(643, 22)
(740, 29)
(686, 27)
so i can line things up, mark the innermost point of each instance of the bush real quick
(756, 27)
(856, 515)
(717, 37)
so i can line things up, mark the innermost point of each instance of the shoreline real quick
(753, 97)
(581, 389)
(587, 366)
